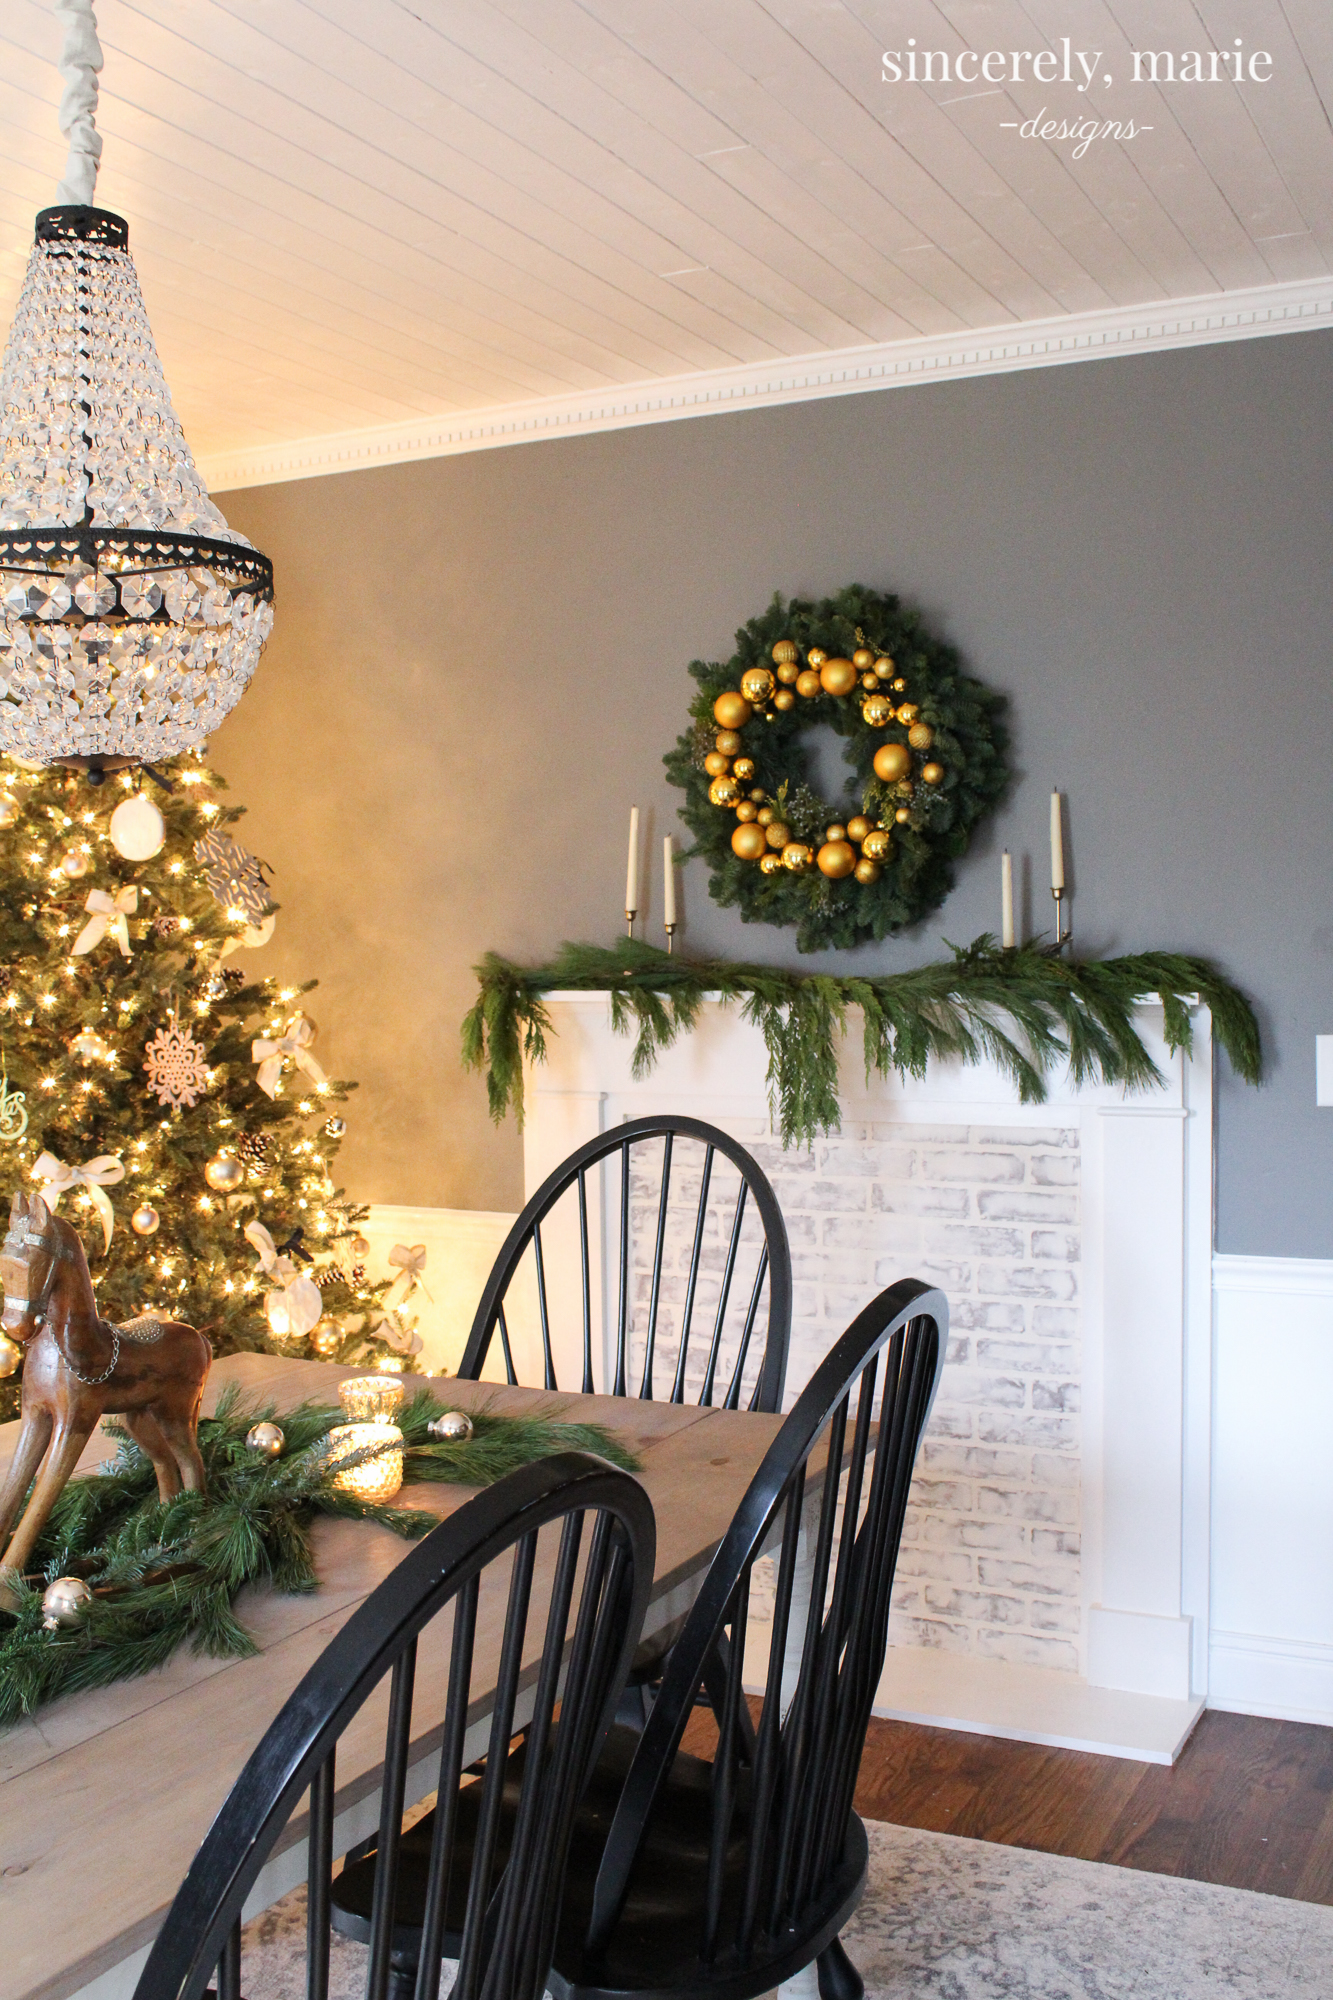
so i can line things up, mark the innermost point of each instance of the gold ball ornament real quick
(784, 699)
(908, 713)
(902, 815)
(326, 1340)
(869, 683)
(765, 815)
(144, 1219)
(899, 686)
(747, 810)
(789, 672)
(770, 863)
(11, 1356)
(757, 685)
(731, 711)
(785, 652)
(723, 792)
(777, 833)
(835, 833)
(224, 1173)
(836, 858)
(743, 769)
(878, 844)
(728, 742)
(837, 676)
(9, 809)
(64, 1603)
(748, 842)
(932, 774)
(862, 658)
(858, 827)
(884, 667)
(892, 761)
(758, 794)
(74, 863)
(877, 711)
(867, 871)
(453, 1427)
(716, 765)
(809, 684)
(265, 1438)
(921, 736)
(797, 857)
(816, 656)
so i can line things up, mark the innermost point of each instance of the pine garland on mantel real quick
(1027, 1009)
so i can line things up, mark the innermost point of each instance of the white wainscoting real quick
(1271, 1642)
(461, 1246)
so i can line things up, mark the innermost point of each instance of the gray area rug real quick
(951, 1919)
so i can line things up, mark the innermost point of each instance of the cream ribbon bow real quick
(411, 1263)
(300, 1295)
(95, 1175)
(296, 1044)
(109, 913)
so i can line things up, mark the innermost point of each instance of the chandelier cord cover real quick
(133, 616)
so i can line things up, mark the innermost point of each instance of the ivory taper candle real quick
(632, 871)
(668, 882)
(1057, 843)
(1007, 899)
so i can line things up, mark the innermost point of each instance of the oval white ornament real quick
(137, 828)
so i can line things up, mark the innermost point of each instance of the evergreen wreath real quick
(925, 742)
(166, 1573)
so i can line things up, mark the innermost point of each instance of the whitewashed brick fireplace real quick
(1054, 1577)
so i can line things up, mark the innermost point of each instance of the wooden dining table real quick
(105, 1796)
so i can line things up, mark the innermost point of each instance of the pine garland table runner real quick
(1029, 1009)
(166, 1576)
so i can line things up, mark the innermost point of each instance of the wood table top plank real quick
(114, 1789)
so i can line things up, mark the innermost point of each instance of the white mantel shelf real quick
(1146, 1332)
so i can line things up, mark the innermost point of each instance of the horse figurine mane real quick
(78, 1367)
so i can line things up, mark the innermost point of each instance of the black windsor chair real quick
(718, 1880)
(700, 1245)
(505, 1894)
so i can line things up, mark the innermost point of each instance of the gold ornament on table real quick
(451, 1427)
(266, 1438)
(380, 1473)
(65, 1603)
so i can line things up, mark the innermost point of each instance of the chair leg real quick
(838, 1977)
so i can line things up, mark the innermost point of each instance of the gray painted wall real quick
(479, 661)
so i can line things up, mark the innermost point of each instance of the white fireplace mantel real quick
(1146, 1215)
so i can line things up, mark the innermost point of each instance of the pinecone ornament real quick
(254, 1148)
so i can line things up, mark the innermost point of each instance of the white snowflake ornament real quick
(177, 1067)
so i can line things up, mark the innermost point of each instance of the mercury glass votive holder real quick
(371, 1399)
(375, 1478)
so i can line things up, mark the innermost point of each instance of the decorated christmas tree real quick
(172, 1102)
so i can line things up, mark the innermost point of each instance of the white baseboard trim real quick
(1290, 1679)
(1091, 336)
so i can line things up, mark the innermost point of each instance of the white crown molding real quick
(1140, 329)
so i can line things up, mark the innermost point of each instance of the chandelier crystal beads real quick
(131, 616)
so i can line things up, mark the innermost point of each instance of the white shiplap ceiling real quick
(369, 229)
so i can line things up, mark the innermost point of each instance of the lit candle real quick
(1006, 899)
(1057, 844)
(632, 872)
(669, 883)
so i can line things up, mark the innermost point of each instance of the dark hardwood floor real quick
(1249, 1803)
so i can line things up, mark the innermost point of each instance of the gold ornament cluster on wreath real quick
(924, 744)
(863, 845)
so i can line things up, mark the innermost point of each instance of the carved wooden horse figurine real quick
(150, 1372)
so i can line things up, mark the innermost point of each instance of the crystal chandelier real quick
(133, 616)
